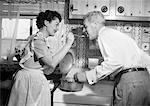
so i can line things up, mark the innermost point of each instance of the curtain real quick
(13, 40)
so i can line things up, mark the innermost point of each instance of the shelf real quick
(118, 18)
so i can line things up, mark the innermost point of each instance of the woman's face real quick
(52, 27)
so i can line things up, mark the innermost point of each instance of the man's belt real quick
(132, 70)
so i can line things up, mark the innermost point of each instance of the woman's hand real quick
(70, 38)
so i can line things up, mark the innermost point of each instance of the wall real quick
(139, 31)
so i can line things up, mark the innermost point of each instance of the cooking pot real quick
(70, 86)
(67, 82)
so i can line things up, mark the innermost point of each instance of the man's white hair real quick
(94, 16)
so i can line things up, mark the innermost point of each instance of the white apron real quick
(30, 87)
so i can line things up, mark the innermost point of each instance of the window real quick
(26, 27)
(9, 27)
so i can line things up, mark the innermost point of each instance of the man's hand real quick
(80, 77)
(70, 75)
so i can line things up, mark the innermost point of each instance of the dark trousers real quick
(132, 89)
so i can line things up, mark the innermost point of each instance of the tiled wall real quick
(139, 31)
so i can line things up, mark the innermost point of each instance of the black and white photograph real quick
(74, 52)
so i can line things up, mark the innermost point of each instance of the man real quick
(122, 56)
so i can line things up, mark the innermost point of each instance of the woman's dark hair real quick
(47, 15)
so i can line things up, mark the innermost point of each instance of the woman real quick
(30, 86)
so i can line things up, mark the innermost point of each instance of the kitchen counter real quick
(98, 94)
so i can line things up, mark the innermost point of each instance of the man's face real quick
(91, 30)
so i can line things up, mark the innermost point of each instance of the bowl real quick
(66, 63)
